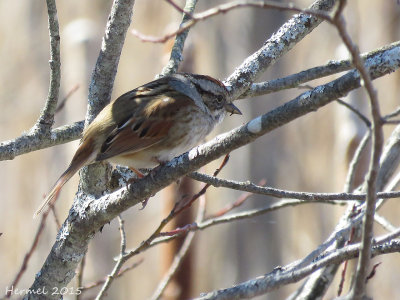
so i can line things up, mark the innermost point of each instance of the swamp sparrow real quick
(150, 124)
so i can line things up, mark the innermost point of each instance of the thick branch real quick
(290, 33)
(35, 140)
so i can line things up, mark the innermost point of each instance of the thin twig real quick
(392, 114)
(28, 255)
(118, 265)
(351, 173)
(181, 254)
(278, 193)
(252, 213)
(222, 9)
(178, 8)
(231, 218)
(384, 223)
(390, 186)
(363, 118)
(343, 274)
(67, 96)
(56, 220)
(177, 49)
(239, 201)
(102, 281)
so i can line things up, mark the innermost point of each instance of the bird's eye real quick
(220, 98)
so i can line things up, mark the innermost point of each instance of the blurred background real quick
(309, 154)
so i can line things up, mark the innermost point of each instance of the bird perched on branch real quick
(150, 124)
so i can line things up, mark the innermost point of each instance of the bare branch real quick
(384, 223)
(121, 273)
(182, 252)
(355, 160)
(118, 265)
(35, 140)
(28, 255)
(290, 33)
(79, 278)
(239, 201)
(285, 275)
(177, 49)
(46, 117)
(363, 118)
(295, 80)
(64, 100)
(269, 191)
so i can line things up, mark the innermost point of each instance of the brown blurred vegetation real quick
(310, 154)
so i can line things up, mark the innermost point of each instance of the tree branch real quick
(176, 53)
(285, 275)
(280, 43)
(35, 140)
(46, 117)
(295, 80)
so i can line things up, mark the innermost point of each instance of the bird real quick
(150, 125)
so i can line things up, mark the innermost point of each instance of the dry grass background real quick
(307, 155)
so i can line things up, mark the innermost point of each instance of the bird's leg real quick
(137, 172)
(139, 175)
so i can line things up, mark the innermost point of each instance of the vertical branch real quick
(72, 242)
(358, 289)
(177, 49)
(46, 117)
(118, 265)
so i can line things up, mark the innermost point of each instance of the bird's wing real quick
(144, 128)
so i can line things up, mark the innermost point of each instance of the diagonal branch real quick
(295, 80)
(288, 274)
(280, 43)
(177, 49)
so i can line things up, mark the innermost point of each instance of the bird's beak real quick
(229, 107)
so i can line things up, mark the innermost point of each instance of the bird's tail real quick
(53, 195)
(84, 155)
